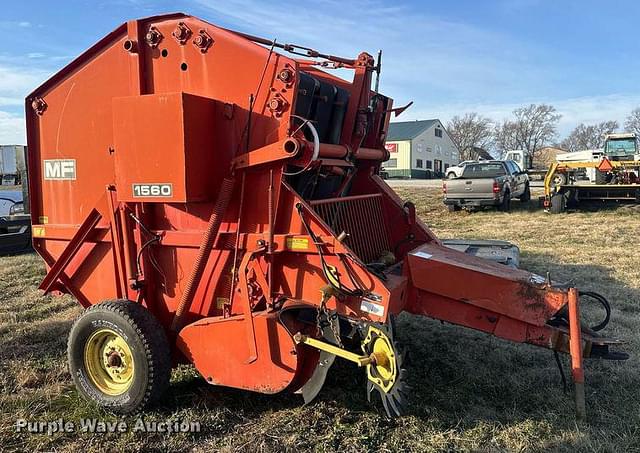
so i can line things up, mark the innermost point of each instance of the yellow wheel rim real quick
(109, 362)
(384, 370)
(384, 358)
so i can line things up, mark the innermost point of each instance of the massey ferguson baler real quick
(213, 198)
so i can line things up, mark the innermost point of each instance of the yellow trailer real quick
(563, 187)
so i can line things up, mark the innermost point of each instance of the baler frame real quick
(281, 274)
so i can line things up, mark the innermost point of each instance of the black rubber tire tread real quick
(558, 204)
(505, 206)
(600, 177)
(150, 345)
(453, 208)
(526, 195)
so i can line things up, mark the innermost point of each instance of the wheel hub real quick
(385, 374)
(109, 362)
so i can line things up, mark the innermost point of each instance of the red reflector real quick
(444, 187)
(605, 165)
(496, 187)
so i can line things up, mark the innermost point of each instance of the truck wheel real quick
(526, 195)
(558, 203)
(453, 208)
(559, 179)
(505, 206)
(451, 175)
(119, 356)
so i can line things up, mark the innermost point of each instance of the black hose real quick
(605, 304)
(562, 317)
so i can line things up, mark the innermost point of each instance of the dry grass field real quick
(471, 392)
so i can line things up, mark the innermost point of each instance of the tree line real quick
(531, 128)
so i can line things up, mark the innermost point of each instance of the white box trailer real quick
(12, 163)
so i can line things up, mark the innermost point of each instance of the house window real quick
(419, 163)
(429, 164)
(438, 132)
(391, 163)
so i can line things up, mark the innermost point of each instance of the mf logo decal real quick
(60, 169)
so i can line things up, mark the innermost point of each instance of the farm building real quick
(419, 149)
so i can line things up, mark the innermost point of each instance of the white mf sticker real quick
(371, 307)
(60, 169)
(422, 254)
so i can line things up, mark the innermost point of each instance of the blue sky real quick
(448, 57)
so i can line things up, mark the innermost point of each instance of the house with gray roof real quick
(419, 149)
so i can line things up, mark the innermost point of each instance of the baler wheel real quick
(387, 374)
(119, 356)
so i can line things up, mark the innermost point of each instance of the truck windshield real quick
(621, 147)
(489, 170)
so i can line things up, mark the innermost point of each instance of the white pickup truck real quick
(487, 183)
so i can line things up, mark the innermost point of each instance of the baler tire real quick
(148, 345)
(453, 208)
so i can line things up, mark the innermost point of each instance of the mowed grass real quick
(471, 392)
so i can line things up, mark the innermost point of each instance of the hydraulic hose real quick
(562, 318)
(210, 234)
(605, 304)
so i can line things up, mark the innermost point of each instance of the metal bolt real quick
(39, 106)
(286, 75)
(182, 32)
(203, 41)
(153, 37)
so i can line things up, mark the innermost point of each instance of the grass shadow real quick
(462, 381)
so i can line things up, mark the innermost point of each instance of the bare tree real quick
(632, 123)
(589, 137)
(469, 132)
(506, 137)
(533, 128)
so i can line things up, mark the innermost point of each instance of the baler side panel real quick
(228, 72)
(76, 127)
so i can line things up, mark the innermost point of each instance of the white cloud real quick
(446, 67)
(16, 82)
(14, 24)
(12, 129)
(426, 58)
(588, 109)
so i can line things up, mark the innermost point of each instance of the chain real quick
(331, 319)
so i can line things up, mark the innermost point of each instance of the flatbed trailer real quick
(623, 184)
